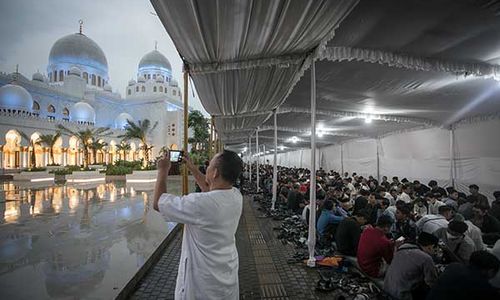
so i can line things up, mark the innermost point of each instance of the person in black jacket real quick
(349, 231)
(459, 281)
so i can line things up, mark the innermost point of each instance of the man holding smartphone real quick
(209, 260)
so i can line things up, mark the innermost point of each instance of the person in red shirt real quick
(375, 250)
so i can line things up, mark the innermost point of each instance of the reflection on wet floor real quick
(75, 241)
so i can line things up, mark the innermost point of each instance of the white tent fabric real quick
(399, 78)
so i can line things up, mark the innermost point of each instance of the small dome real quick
(75, 71)
(141, 79)
(82, 112)
(121, 120)
(173, 82)
(131, 82)
(107, 88)
(38, 77)
(155, 59)
(15, 97)
(78, 49)
(160, 79)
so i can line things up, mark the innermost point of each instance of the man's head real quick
(395, 179)
(384, 223)
(428, 242)
(473, 189)
(453, 195)
(496, 194)
(487, 263)
(372, 198)
(224, 169)
(456, 230)
(433, 183)
(403, 212)
(446, 211)
(416, 183)
(384, 203)
(480, 210)
(328, 205)
(362, 216)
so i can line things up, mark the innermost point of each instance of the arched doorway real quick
(112, 151)
(12, 150)
(73, 151)
(131, 155)
(39, 157)
(58, 152)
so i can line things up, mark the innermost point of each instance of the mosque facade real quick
(76, 93)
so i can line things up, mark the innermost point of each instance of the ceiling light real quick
(294, 139)
(368, 119)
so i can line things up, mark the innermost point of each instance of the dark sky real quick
(124, 29)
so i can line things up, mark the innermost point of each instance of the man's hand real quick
(188, 162)
(164, 163)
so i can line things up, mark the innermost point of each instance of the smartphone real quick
(176, 156)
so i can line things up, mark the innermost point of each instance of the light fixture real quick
(294, 139)
(368, 119)
(282, 147)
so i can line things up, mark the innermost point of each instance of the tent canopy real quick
(381, 66)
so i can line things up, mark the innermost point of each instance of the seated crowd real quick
(400, 231)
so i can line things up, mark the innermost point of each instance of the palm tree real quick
(85, 137)
(96, 146)
(123, 147)
(139, 131)
(32, 142)
(49, 140)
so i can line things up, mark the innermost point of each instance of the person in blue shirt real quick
(327, 221)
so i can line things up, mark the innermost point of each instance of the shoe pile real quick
(348, 286)
(293, 231)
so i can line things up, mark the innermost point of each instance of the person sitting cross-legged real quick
(412, 271)
(349, 231)
(375, 250)
(457, 246)
(327, 222)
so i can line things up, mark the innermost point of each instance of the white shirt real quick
(431, 223)
(434, 208)
(405, 197)
(209, 260)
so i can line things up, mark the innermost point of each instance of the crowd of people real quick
(401, 231)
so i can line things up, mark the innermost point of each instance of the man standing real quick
(209, 260)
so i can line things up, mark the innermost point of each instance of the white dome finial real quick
(81, 25)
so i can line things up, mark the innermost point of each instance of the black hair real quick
(404, 209)
(385, 202)
(496, 194)
(328, 205)
(474, 186)
(444, 208)
(483, 260)
(433, 183)
(384, 221)
(229, 165)
(363, 213)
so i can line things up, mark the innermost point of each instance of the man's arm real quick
(198, 176)
(161, 179)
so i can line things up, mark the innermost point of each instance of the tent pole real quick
(342, 159)
(185, 142)
(250, 158)
(275, 163)
(311, 241)
(378, 160)
(452, 156)
(258, 157)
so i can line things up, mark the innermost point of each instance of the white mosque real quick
(76, 93)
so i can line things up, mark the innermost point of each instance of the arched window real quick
(149, 76)
(129, 92)
(154, 89)
(61, 75)
(55, 76)
(143, 89)
(66, 112)
(154, 76)
(98, 80)
(174, 92)
(166, 90)
(51, 109)
(86, 77)
(136, 89)
(161, 89)
(36, 106)
(93, 79)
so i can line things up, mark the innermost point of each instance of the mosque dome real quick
(174, 82)
(131, 82)
(75, 71)
(155, 59)
(77, 48)
(121, 120)
(38, 77)
(82, 112)
(141, 79)
(108, 88)
(15, 97)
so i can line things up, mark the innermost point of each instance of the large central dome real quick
(78, 49)
(154, 59)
